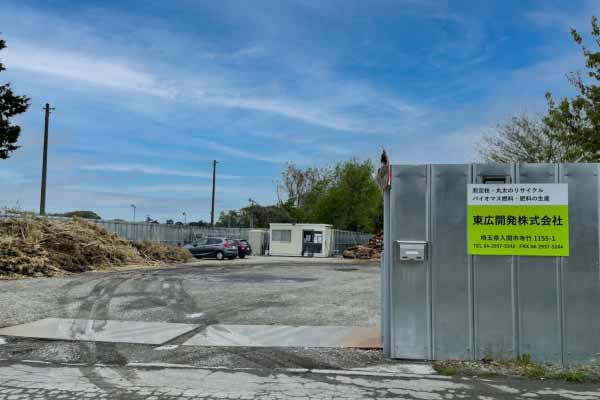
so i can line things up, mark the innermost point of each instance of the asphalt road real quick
(255, 291)
(38, 381)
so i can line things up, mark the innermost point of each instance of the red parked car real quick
(243, 246)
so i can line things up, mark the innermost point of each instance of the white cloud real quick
(151, 170)
(551, 18)
(183, 188)
(334, 105)
(83, 68)
(255, 50)
(548, 16)
(235, 151)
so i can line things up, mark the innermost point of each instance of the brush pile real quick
(42, 247)
(157, 252)
(371, 251)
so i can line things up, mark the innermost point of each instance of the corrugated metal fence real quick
(452, 305)
(172, 234)
(182, 234)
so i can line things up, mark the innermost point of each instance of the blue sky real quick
(147, 93)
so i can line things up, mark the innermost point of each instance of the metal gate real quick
(451, 305)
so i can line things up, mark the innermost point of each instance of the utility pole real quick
(212, 208)
(47, 110)
(134, 207)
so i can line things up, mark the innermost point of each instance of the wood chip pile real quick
(371, 251)
(42, 247)
(160, 253)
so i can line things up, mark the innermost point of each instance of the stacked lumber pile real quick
(42, 247)
(372, 250)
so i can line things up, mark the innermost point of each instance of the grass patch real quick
(487, 374)
(524, 360)
(573, 376)
(523, 366)
(535, 371)
(448, 371)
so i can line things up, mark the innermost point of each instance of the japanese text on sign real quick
(518, 219)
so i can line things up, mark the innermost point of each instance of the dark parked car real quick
(244, 248)
(218, 248)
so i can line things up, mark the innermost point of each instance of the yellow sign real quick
(518, 219)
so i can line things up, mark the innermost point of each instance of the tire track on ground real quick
(96, 306)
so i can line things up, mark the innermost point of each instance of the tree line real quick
(345, 195)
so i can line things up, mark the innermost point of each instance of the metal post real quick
(47, 110)
(212, 208)
(134, 207)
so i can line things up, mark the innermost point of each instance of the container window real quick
(282, 236)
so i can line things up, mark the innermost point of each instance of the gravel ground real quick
(259, 290)
(254, 291)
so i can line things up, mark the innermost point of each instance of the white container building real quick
(302, 240)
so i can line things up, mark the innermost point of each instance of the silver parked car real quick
(213, 247)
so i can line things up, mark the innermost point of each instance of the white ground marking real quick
(167, 347)
(418, 369)
(2, 341)
(196, 315)
(100, 330)
(572, 395)
(505, 389)
(161, 365)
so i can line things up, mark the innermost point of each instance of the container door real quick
(410, 305)
(312, 243)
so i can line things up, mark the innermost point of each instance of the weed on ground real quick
(523, 366)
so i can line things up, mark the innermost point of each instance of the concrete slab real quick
(287, 336)
(99, 330)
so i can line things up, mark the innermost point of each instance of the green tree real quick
(522, 139)
(576, 122)
(198, 223)
(229, 219)
(346, 196)
(350, 199)
(254, 215)
(10, 106)
(257, 216)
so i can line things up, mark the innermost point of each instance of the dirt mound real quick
(42, 247)
(372, 250)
